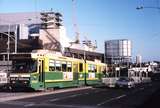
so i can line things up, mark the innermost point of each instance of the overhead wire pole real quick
(8, 48)
(16, 40)
(77, 40)
(149, 7)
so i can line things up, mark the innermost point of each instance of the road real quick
(87, 98)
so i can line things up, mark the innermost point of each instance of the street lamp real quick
(142, 7)
(85, 76)
(85, 68)
(8, 48)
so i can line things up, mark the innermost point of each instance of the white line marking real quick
(96, 91)
(120, 96)
(73, 96)
(29, 105)
(141, 88)
(70, 96)
(99, 91)
(115, 98)
(52, 100)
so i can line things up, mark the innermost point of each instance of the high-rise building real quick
(138, 59)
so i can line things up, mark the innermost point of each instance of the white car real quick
(125, 82)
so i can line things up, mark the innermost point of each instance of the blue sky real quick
(104, 20)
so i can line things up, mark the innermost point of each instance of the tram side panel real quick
(94, 73)
(58, 73)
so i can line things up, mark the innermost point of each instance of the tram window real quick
(51, 68)
(64, 66)
(24, 66)
(95, 68)
(51, 65)
(58, 65)
(33, 66)
(80, 67)
(69, 66)
(89, 68)
(92, 68)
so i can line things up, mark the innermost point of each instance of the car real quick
(125, 82)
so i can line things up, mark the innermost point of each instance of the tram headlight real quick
(25, 82)
(13, 82)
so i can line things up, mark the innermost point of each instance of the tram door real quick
(41, 72)
(75, 73)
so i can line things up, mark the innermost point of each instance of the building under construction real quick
(24, 32)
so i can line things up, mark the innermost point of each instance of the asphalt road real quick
(89, 98)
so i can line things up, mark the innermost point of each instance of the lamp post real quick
(85, 76)
(142, 7)
(8, 46)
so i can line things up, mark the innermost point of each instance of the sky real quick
(104, 20)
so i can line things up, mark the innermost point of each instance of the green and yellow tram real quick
(41, 71)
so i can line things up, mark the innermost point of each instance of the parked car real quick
(125, 82)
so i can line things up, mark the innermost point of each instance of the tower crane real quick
(76, 29)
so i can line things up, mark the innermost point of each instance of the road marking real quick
(96, 91)
(70, 96)
(120, 96)
(19, 103)
(86, 93)
(75, 95)
(29, 105)
(52, 100)
(142, 88)
(44, 105)
(99, 91)
(115, 98)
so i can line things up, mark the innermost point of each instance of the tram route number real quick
(19, 78)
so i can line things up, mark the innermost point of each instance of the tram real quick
(42, 70)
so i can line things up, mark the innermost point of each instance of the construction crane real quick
(76, 29)
(90, 44)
